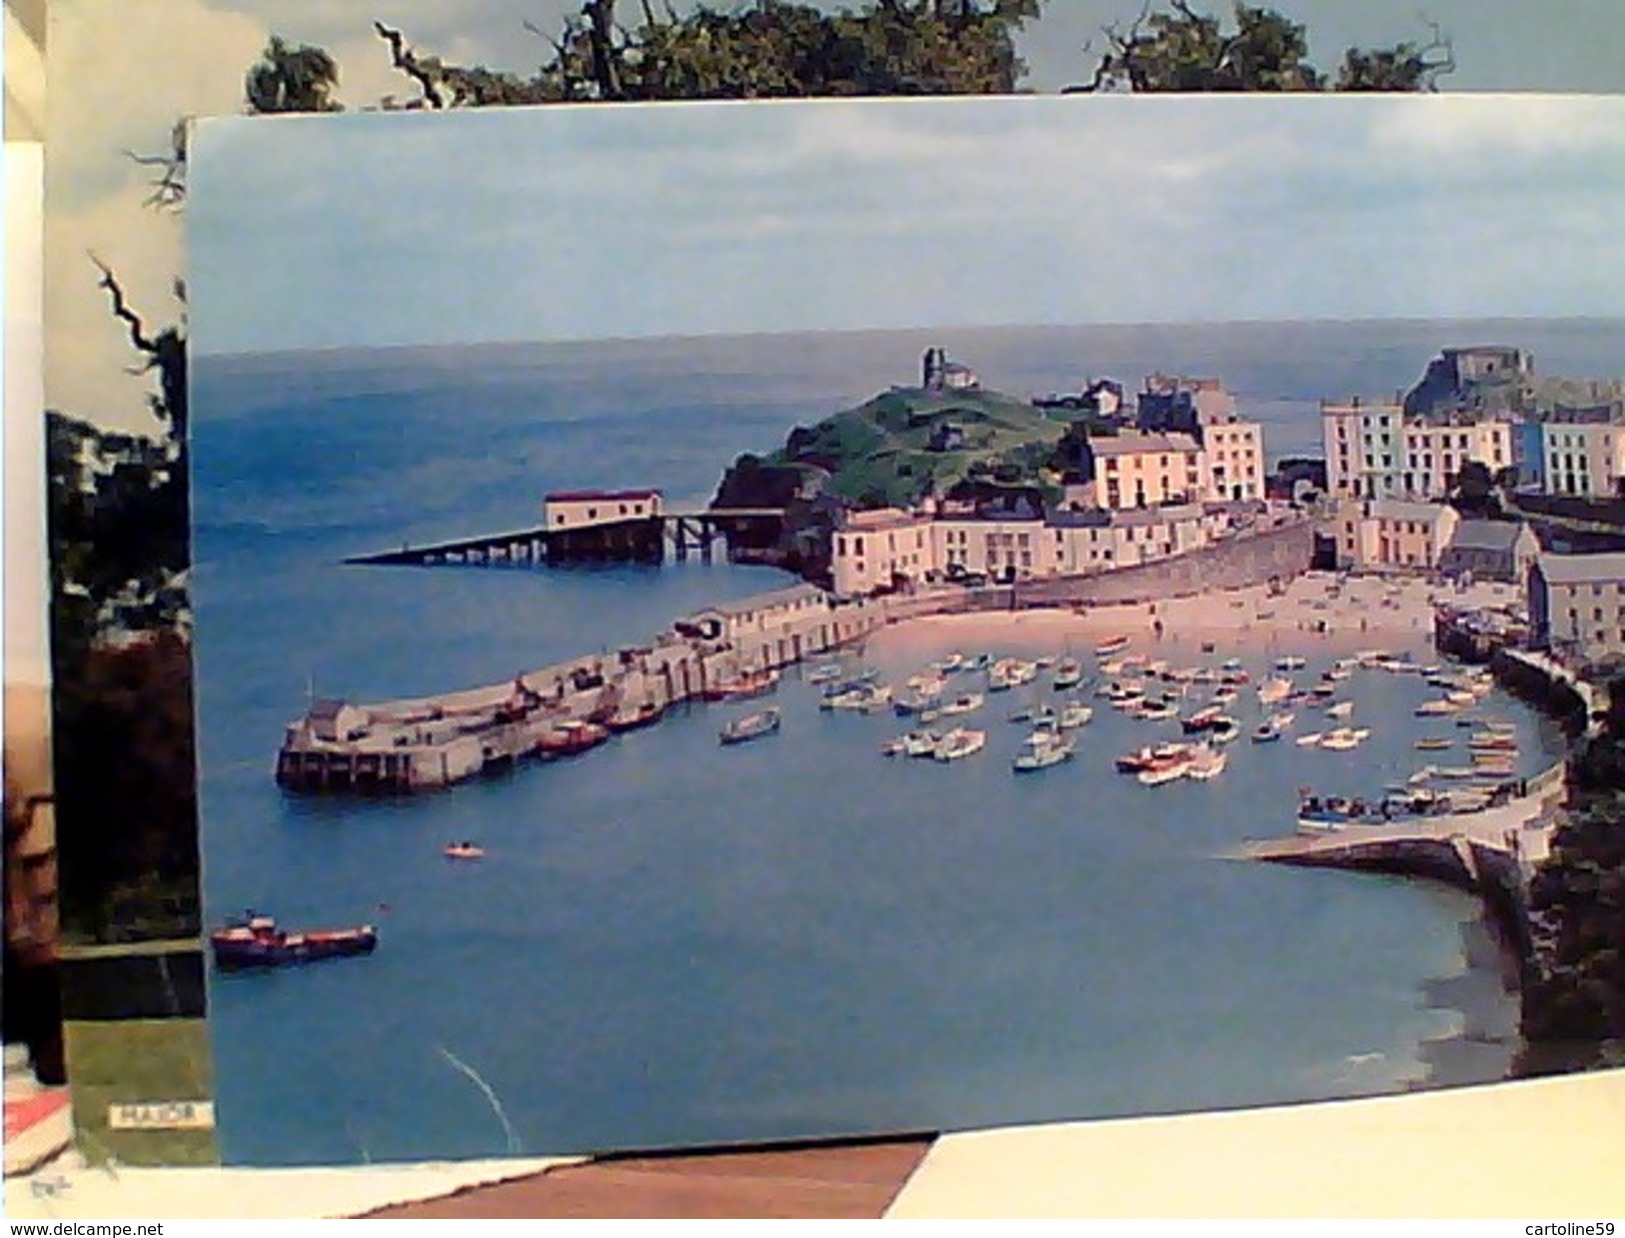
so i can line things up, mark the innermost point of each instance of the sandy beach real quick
(1316, 611)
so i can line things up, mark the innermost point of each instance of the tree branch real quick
(121, 310)
(403, 59)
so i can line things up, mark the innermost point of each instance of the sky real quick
(120, 84)
(592, 222)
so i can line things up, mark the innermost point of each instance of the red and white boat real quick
(568, 738)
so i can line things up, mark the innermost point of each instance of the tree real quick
(770, 49)
(292, 79)
(1180, 49)
(1474, 493)
(1405, 67)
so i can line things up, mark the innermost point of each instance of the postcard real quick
(727, 624)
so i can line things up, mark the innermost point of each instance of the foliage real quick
(122, 705)
(880, 453)
(1476, 493)
(1180, 49)
(1574, 1001)
(292, 79)
(771, 49)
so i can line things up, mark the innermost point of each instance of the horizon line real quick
(555, 340)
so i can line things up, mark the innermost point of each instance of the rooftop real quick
(879, 518)
(583, 496)
(1581, 569)
(1136, 442)
(1487, 534)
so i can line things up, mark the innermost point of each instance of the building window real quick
(857, 548)
(623, 509)
(592, 513)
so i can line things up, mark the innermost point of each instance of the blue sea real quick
(674, 943)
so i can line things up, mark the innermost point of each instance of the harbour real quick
(825, 939)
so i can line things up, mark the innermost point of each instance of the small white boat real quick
(1225, 731)
(1068, 675)
(949, 664)
(921, 744)
(825, 672)
(1290, 663)
(751, 726)
(1206, 763)
(1111, 645)
(1433, 743)
(1461, 698)
(960, 742)
(1073, 715)
(967, 703)
(1310, 740)
(1273, 690)
(1437, 708)
(1041, 750)
(1343, 739)
(864, 698)
(1001, 676)
(1342, 709)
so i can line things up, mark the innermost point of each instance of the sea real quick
(672, 943)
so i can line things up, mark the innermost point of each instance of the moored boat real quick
(1206, 763)
(630, 718)
(1274, 690)
(568, 738)
(960, 742)
(1068, 675)
(1111, 645)
(752, 683)
(1041, 750)
(751, 726)
(1342, 740)
(1073, 715)
(968, 702)
(256, 941)
(465, 850)
(825, 672)
(1201, 720)
(862, 698)
(1437, 708)
(1164, 769)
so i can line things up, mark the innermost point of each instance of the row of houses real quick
(1475, 405)
(878, 550)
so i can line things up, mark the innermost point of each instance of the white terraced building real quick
(877, 549)
(1583, 458)
(1374, 451)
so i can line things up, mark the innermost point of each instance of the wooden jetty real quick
(647, 539)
